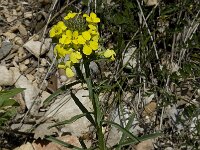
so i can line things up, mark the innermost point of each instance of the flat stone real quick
(30, 92)
(6, 76)
(65, 108)
(35, 46)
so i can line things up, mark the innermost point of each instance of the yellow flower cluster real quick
(76, 36)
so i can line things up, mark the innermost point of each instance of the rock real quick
(42, 145)
(21, 53)
(114, 135)
(6, 76)
(22, 67)
(35, 46)
(145, 145)
(27, 61)
(44, 96)
(65, 108)
(27, 146)
(150, 2)
(22, 30)
(28, 14)
(30, 92)
(18, 41)
(30, 77)
(43, 62)
(129, 58)
(42, 130)
(9, 35)
(5, 49)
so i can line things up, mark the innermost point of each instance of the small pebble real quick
(22, 67)
(30, 77)
(43, 62)
(18, 41)
(21, 52)
(41, 70)
(28, 15)
(63, 78)
(27, 61)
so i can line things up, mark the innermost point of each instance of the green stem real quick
(98, 127)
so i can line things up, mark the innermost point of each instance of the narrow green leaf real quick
(83, 109)
(143, 138)
(6, 95)
(50, 138)
(63, 88)
(8, 102)
(128, 126)
(125, 131)
(73, 119)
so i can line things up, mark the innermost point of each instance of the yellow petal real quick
(61, 65)
(85, 15)
(73, 57)
(78, 55)
(52, 32)
(95, 38)
(62, 39)
(108, 53)
(94, 45)
(92, 27)
(69, 34)
(69, 72)
(61, 25)
(68, 63)
(87, 50)
(75, 34)
(93, 15)
(81, 40)
(86, 35)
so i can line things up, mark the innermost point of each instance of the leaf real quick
(63, 88)
(83, 109)
(143, 138)
(73, 119)
(128, 126)
(124, 130)
(10, 93)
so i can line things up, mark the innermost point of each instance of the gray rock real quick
(5, 49)
(37, 48)
(65, 108)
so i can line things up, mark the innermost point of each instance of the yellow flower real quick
(67, 64)
(70, 15)
(95, 38)
(75, 57)
(87, 50)
(75, 37)
(61, 25)
(61, 65)
(59, 49)
(66, 38)
(110, 54)
(92, 18)
(84, 37)
(94, 45)
(57, 29)
(93, 29)
(69, 72)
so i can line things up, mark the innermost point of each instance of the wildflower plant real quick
(77, 38)
(77, 42)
